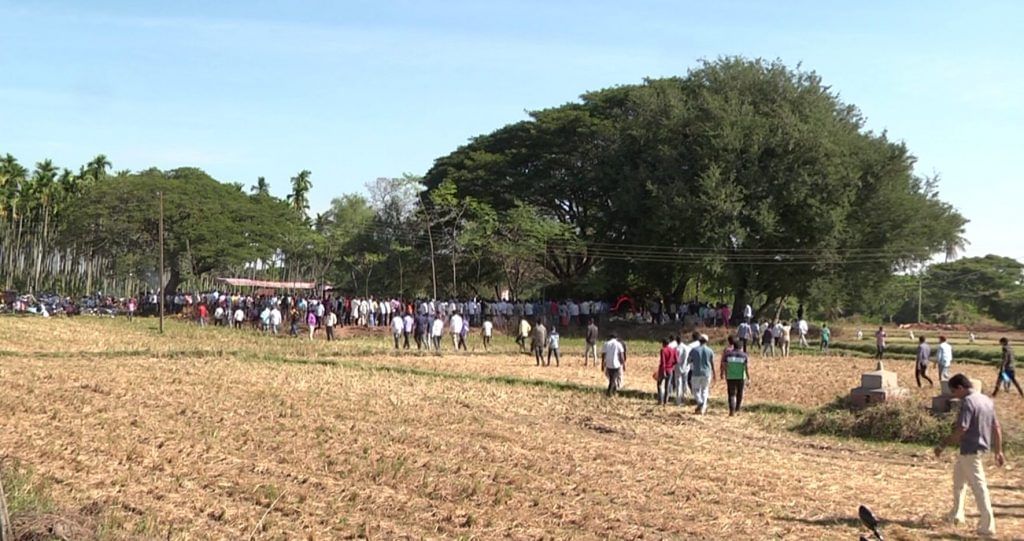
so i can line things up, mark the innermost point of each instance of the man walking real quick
(538, 340)
(330, 321)
(924, 352)
(879, 343)
(702, 373)
(553, 346)
(682, 371)
(735, 371)
(944, 358)
(802, 328)
(744, 333)
(591, 343)
(1006, 371)
(524, 333)
(977, 431)
(488, 331)
(613, 358)
(666, 368)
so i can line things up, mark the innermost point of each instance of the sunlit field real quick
(117, 432)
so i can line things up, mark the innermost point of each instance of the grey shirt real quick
(924, 351)
(701, 361)
(977, 414)
(591, 334)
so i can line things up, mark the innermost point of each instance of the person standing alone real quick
(977, 432)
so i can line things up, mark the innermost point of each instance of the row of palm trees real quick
(32, 203)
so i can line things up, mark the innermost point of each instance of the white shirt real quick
(802, 326)
(488, 328)
(397, 324)
(239, 315)
(945, 354)
(613, 353)
(456, 324)
(438, 327)
(275, 317)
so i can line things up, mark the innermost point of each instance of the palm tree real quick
(299, 198)
(97, 168)
(262, 187)
(952, 248)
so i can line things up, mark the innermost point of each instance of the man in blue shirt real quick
(702, 373)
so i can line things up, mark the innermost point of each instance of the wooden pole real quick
(6, 534)
(162, 292)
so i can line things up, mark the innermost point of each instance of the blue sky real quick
(357, 90)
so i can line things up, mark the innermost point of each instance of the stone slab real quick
(878, 379)
(861, 397)
(977, 383)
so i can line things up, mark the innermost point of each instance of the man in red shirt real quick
(203, 314)
(666, 366)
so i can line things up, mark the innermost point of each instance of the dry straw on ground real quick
(156, 443)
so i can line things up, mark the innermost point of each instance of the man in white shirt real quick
(397, 328)
(682, 370)
(275, 320)
(944, 358)
(239, 317)
(455, 326)
(408, 323)
(614, 359)
(802, 328)
(437, 331)
(488, 331)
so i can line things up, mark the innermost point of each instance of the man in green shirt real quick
(735, 372)
(826, 337)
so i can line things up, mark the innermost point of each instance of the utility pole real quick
(430, 237)
(162, 292)
(920, 287)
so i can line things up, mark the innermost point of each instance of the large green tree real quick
(744, 174)
(209, 226)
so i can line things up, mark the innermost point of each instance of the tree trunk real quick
(173, 280)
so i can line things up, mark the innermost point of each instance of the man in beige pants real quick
(977, 431)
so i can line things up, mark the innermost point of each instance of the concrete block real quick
(977, 383)
(878, 379)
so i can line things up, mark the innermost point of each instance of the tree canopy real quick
(744, 173)
(209, 226)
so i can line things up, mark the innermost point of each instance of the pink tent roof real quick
(246, 282)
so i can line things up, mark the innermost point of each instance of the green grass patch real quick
(26, 492)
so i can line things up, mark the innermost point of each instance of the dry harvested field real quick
(205, 433)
